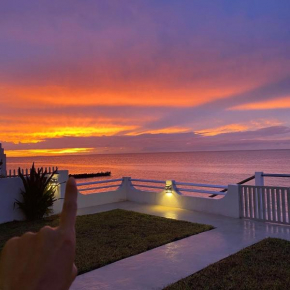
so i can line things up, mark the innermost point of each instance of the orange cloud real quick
(158, 96)
(242, 127)
(280, 103)
(223, 129)
(170, 130)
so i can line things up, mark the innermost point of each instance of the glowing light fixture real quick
(168, 188)
(53, 181)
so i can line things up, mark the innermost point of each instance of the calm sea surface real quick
(200, 167)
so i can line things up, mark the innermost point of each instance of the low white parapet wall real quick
(88, 200)
(228, 205)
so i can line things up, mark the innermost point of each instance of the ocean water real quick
(222, 168)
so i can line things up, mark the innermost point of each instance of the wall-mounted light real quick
(54, 181)
(168, 189)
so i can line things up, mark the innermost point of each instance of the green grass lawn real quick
(264, 265)
(107, 237)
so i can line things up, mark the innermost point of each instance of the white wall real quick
(10, 190)
(88, 200)
(226, 206)
(3, 159)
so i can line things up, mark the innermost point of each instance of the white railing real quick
(197, 190)
(159, 185)
(86, 186)
(266, 203)
(147, 185)
(178, 189)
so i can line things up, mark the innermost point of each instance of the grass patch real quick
(107, 237)
(264, 265)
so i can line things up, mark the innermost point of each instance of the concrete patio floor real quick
(167, 264)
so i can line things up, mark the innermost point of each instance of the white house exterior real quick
(3, 161)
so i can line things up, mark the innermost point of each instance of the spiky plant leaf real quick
(38, 193)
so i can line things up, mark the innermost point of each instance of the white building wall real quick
(9, 192)
(3, 159)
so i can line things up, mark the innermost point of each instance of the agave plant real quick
(38, 193)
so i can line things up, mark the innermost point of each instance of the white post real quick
(259, 179)
(126, 184)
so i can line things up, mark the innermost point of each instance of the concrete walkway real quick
(167, 264)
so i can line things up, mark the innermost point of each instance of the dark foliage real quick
(38, 193)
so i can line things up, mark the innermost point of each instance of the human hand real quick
(43, 260)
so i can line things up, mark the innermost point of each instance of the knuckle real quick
(10, 244)
(46, 233)
(28, 235)
(13, 241)
(46, 230)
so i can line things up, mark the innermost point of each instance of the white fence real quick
(26, 171)
(86, 186)
(187, 187)
(266, 203)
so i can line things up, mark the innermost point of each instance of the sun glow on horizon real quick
(36, 136)
(48, 152)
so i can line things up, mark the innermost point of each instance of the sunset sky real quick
(112, 76)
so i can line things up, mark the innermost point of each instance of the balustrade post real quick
(259, 179)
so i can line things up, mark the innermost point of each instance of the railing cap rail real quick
(148, 180)
(99, 182)
(202, 185)
(265, 186)
(202, 191)
(275, 175)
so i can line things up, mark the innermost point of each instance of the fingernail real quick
(72, 181)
